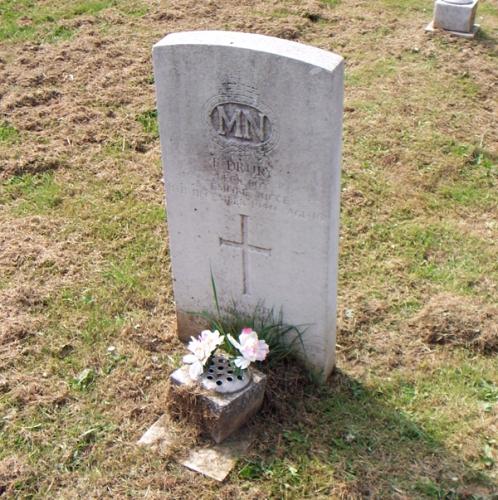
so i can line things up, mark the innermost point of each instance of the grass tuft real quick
(281, 338)
(148, 119)
(33, 193)
(331, 3)
(8, 133)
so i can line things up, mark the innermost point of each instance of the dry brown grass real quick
(456, 321)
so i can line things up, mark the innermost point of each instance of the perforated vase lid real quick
(221, 376)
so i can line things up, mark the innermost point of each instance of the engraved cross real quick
(246, 248)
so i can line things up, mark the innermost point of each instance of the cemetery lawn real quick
(87, 326)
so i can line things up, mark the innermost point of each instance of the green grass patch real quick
(478, 157)
(331, 3)
(467, 85)
(408, 5)
(281, 13)
(8, 133)
(26, 19)
(430, 489)
(369, 72)
(42, 435)
(59, 33)
(32, 193)
(475, 179)
(148, 119)
(488, 8)
(100, 326)
(425, 252)
(464, 388)
(22, 20)
(133, 8)
(89, 7)
(117, 148)
(469, 195)
(111, 214)
(434, 252)
(122, 275)
(283, 340)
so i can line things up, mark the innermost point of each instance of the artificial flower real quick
(211, 339)
(251, 348)
(201, 348)
(196, 366)
(200, 354)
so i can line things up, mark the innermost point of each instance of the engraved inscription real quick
(243, 166)
(248, 198)
(240, 123)
(244, 245)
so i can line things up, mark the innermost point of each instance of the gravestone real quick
(250, 131)
(455, 16)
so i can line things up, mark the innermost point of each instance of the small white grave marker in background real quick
(455, 16)
(251, 141)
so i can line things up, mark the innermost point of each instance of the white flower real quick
(196, 366)
(201, 348)
(211, 339)
(251, 348)
(241, 362)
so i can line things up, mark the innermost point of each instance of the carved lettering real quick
(226, 124)
(242, 166)
(246, 197)
(252, 126)
(241, 123)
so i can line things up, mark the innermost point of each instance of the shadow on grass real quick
(343, 439)
(484, 37)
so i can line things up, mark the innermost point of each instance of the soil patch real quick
(457, 321)
(12, 469)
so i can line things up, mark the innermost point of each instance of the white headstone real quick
(455, 15)
(250, 131)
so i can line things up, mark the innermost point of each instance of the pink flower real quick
(251, 348)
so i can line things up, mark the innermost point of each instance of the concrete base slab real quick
(158, 436)
(215, 461)
(218, 460)
(430, 28)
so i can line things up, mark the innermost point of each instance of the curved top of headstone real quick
(262, 43)
(459, 2)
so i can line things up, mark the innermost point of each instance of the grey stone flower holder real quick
(220, 376)
(225, 401)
